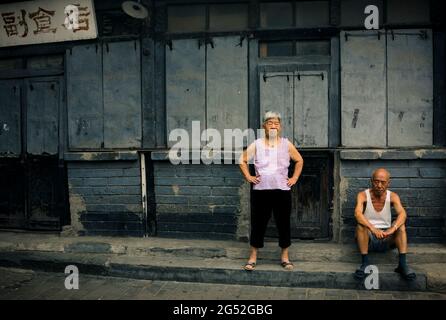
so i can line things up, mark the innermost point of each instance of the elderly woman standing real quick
(271, 190)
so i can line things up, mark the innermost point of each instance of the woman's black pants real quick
(265, 202)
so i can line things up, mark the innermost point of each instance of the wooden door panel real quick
(363, 86)
(47, 190)
(42, 120)
(185, 86)
(10, 123)
(85, 97)
(310, 210)
(12, 194)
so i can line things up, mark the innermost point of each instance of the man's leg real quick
(400, 238)
(362, 238)
(400, 241)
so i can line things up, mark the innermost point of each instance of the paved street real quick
(21, 284)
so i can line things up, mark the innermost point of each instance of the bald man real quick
(375, 230)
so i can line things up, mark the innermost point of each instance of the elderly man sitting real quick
(375, 230)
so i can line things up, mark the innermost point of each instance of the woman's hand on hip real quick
(253, 179)
(291, 181)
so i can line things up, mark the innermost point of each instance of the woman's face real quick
(272, 127)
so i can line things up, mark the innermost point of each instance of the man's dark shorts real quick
(381, 245)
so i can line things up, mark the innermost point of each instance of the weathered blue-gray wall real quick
(200, 201)
(418, 177)
(105, 197)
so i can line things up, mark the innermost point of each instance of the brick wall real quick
(197, 200)
(105, 197)
(421, 185)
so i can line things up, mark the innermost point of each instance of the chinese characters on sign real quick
(46, 21)
(42, 18)
(11, 26)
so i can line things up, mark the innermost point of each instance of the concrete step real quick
(299, 251)
(325, 265)
(223, 270)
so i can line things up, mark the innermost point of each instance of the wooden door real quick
(33, 189)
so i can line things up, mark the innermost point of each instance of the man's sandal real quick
(407, 273)
(287, 265)
(250, 266)
(360, 272)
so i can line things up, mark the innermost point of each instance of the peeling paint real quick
(88, 155)
(400, 116)
(355, 118)
(136, 208)
(244, 217)
(175, 189)
(307, 112)
(423, 119)
(420, 153)
(343, 187)
(77, 207)
(310, 141)
(82, 127)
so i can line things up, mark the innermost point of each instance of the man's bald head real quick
(381, 173)
(380, 181)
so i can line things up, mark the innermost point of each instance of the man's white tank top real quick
(383, 219)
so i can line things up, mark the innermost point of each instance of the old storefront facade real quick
(85, 123)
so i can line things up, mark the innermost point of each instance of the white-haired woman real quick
(271, 186)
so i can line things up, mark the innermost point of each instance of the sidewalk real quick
(17, 284)
(317, 265)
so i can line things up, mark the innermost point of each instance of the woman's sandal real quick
(287, 265)
(250, 266)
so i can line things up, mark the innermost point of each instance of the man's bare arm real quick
(399, 209)
(361, 199)
(400, 212)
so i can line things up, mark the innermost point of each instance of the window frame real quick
(293, 15)
(207, 17)
(253, 18)
(294, 48)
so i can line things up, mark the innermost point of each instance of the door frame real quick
(286, 65)
(331, 64)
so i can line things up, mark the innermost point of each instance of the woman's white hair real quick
(271, 114)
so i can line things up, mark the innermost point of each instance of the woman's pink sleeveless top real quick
(271, 165)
